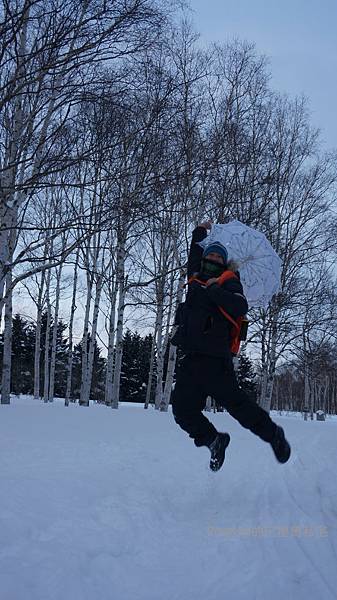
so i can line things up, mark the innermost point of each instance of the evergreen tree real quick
(246, 375)
(61, 360)
(61, 355)
(135, 366)
(98, 373)
(23, 341)
(76, 371)
(145, 359)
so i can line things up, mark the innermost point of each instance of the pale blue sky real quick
(298, 36)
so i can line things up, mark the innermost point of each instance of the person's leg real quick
(189, 400)
(250, 415)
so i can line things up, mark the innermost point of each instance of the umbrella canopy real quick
(259, 265)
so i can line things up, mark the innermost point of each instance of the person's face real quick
(216, 258)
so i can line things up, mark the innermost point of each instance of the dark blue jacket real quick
(202, 328)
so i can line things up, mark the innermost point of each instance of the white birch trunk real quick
(7, 347)
(168, 318)
(37, 351)
(120, 322)
(172, 354)
(263, 390)
(269, 374)
(7, 188)
(86, 392)
(208, 406)
(47, 338)
(268, 386)
(94, 248)
(6, 224)
(313, 386)
(54, 338)
(70, 340)
(160, 357)
(111, 343)
(83, 392)
(306, 386)
(326, 384)
(169, 378)
(333, 398)
(150, 377)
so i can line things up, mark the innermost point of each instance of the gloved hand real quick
(211, 281)
(206, 224)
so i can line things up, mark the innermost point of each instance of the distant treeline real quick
(135, 364)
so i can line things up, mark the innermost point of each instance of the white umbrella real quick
(258, 263)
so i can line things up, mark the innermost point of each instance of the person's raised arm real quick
(195, 253)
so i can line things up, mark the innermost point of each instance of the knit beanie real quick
(218, 248)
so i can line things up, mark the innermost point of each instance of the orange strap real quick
(225, 314)
(219, 280)
(225, 276)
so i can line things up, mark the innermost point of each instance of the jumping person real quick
(204, 336)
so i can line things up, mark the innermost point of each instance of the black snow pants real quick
(200, 376)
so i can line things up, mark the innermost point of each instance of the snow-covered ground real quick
(99, 504)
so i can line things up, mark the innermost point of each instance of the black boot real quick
(280, 446)
(218, 450)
